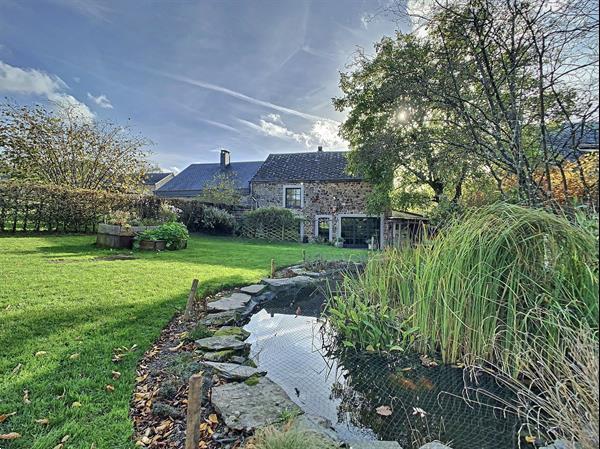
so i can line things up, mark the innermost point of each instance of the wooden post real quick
(272, 268)
(304, 257)
(194, 408)
(191, 299)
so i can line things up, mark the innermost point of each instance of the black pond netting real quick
(374, 397)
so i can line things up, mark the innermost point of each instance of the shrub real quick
(271, 223)
(217, 221)
(175, 234)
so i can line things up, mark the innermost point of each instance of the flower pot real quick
(153, 245)
(117, 236)
(339, 244)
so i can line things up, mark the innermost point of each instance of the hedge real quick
(41, 207)
(271, 223)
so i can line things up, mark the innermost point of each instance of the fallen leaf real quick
(116, 375)
(530, 439)
(74, 356)
(384, 410)
(65, 438)
(110, 388)
(6, 416)
(176, 348)
(42, 421)
(26, 397)
(10, 436)
(17, 369)
(59, 446)
(141, 378)
(213, 419)
(40, 353)
(76, 404)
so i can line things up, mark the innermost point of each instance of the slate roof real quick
(573, 141)
(314, 166)
(152, 178)
(194, 178)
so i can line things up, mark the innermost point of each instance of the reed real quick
(502, 270)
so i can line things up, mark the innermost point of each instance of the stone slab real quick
(317, 426)
(233, 331)
(235, 301)
(249, 407)
(253, 289)
(220, 318)
(233, 371)
(221, 343)
(296, 281)
(373, 445)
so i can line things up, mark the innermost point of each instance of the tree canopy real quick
(60, 148)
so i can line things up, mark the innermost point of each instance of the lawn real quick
(62, 314)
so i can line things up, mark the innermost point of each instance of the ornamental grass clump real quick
(503, 270)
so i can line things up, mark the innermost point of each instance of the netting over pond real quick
(370, 396)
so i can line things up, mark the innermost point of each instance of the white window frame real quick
(316, 228)
(381, 217)
(293, 186)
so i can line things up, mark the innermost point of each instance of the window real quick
(293, 197)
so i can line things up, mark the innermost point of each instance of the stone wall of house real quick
(320, 198)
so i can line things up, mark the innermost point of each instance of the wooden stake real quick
(304, 256)
(194, 408)
(272, 268)
(191, 299)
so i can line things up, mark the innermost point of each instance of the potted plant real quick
(339, 242)
(170, 236)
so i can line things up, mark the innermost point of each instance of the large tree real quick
(506, 86)
(399, 135)
(60, 147)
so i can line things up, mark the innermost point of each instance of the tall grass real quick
(503, 270)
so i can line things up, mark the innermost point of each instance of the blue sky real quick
(254, 77)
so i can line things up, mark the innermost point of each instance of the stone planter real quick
(117, 236)
(153, 245)
(339, 244)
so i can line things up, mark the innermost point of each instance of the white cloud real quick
(35, 82)
(101, 100)
(323, 132)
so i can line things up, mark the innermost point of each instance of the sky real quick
(254, 77)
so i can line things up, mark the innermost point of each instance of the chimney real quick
(319, 148)
(225, 158)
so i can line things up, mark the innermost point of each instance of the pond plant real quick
(508, 290)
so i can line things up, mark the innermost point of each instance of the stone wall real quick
(319, 198)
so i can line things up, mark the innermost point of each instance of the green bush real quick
(217, 221)
(175, 234)
(271, 223)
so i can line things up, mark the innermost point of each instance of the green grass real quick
(55, 297)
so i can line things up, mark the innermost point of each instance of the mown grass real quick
(57, 299)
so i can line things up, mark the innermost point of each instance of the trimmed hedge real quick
(40, 207)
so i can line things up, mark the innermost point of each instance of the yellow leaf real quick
(141, 378)
(530, 439)
(43, 421)
(10, 436)
(110, 388)
(213, 419)
(115, 375)
(176, 348)
(65, 438)
(6, 416)
(26, 397)
(40, 353)
(74, 356)
(59, 446)
(76, 404)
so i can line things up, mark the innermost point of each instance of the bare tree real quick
(63, 149)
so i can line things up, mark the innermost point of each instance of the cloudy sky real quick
(253, 76)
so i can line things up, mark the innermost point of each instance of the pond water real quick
(347, 388)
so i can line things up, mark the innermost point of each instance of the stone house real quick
(316, 186)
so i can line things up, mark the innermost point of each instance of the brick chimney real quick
(225, 158)
(319, 148)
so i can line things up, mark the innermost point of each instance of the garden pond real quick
(372, 396)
